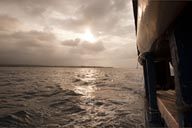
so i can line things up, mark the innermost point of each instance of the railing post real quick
(154, 118)
(181, 52)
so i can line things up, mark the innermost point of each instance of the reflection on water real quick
(86, 91)
(89, 78)
(88, 75)
(71, 98)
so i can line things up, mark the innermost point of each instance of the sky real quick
(67, 32)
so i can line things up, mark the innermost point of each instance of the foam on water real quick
(71, 97)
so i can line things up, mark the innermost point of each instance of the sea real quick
(53, 97)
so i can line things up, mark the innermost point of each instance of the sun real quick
(88, 36)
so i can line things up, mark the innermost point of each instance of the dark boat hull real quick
(153, 19)
(163, 31)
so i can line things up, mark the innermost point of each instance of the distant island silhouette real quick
(56, 66)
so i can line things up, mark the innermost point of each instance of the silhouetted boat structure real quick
(164, 40)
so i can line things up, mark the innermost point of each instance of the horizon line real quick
(41, 65)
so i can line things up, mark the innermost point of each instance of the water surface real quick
(71, 97)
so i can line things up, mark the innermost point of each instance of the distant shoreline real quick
(50, 66)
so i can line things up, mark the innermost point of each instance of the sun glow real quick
(88, 36)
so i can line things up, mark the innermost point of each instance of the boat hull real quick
(153, 18)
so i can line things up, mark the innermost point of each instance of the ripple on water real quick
(21, 119)
(96, 98)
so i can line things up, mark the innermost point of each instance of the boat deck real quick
(167, 107)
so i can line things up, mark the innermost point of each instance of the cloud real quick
(49, 31)
(82, 47)
(35, 47)
(26, 47)
(74, 24)
(8, 23)
(120, 5)
(92, 47)
(28, 39)
(101, 15)
(71, 42)
(96, 9)
(107, 15)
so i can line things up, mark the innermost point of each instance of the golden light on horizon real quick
(88, 36)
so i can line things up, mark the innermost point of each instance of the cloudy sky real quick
(67, 32)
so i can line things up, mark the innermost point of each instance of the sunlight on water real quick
(86, 91)
(89, 78)
(71, 98)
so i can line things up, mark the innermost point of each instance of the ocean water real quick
(71, 98)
